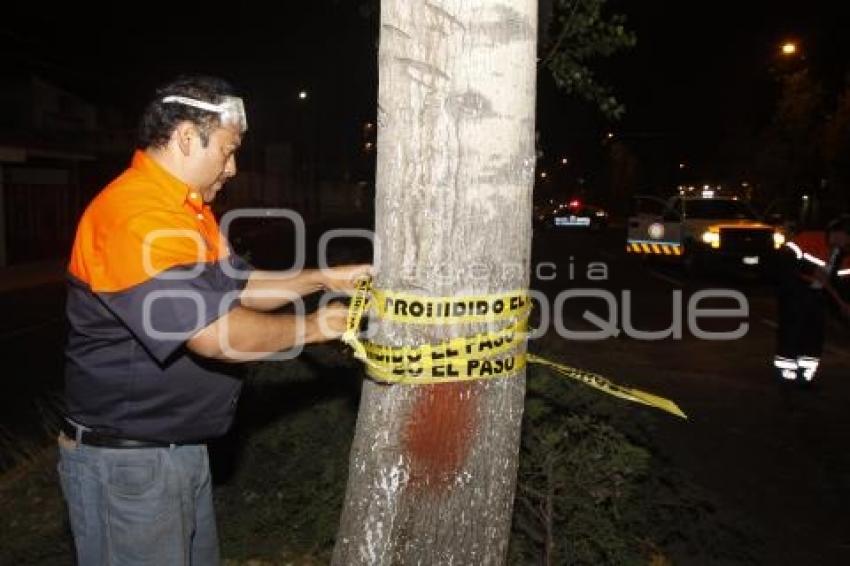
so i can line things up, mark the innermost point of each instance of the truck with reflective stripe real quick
(699, 228)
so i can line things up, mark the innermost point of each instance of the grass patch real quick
(32, 525)
(286, 497)
(592, 488)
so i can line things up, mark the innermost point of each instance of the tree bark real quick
(433, 467)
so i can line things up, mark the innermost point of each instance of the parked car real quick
(576, 215)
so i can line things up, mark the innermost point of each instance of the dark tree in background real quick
(802, 158)
(574, 35)
(836, 148)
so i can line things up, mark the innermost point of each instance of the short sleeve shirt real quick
(149, 268)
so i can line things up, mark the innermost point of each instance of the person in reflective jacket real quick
(811, 267)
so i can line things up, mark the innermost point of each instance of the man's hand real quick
(341, 279)
(329, 321)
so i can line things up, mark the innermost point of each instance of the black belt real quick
(93, 438)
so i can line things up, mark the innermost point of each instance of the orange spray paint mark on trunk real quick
(439, 432)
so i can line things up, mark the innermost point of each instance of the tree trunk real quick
(433, 467)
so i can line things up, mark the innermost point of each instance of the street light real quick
(303, 95)
(789, 48)
(564, 161)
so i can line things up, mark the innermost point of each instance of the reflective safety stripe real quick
(654, 248)
(789, 374)
(784, 363)
(816, 260)
(795, 248)
(809, 366)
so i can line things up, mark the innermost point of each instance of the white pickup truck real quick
(701, 229)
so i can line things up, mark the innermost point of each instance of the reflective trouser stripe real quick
(809, 366)
(786, 366)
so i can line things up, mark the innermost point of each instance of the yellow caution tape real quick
(450, 371)
(598, 382)
(356, 309)
(486, 355)
(416, 309)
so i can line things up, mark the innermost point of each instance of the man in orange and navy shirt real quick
(812, 265)
(157, 306)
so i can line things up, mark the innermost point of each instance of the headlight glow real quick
(778, 240)
(711, 238)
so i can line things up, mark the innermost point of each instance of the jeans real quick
(139, 506)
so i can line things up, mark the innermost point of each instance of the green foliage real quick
(589, 494)
(33, 528)
(286, 497)
(805, 146)
(789, 157)
(577, 35)
(591, 490)
(836, 138)
(580, 33)
(578, 477)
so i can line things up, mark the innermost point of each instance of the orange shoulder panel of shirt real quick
(140, 225)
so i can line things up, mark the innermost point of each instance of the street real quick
(773, 455)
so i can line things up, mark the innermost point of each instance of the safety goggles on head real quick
(231, 110)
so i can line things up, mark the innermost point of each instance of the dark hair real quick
(839, 224)
(159, 119)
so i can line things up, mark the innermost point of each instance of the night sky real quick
(701, 71)
(701, 77)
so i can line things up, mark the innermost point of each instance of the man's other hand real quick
(342, 279)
